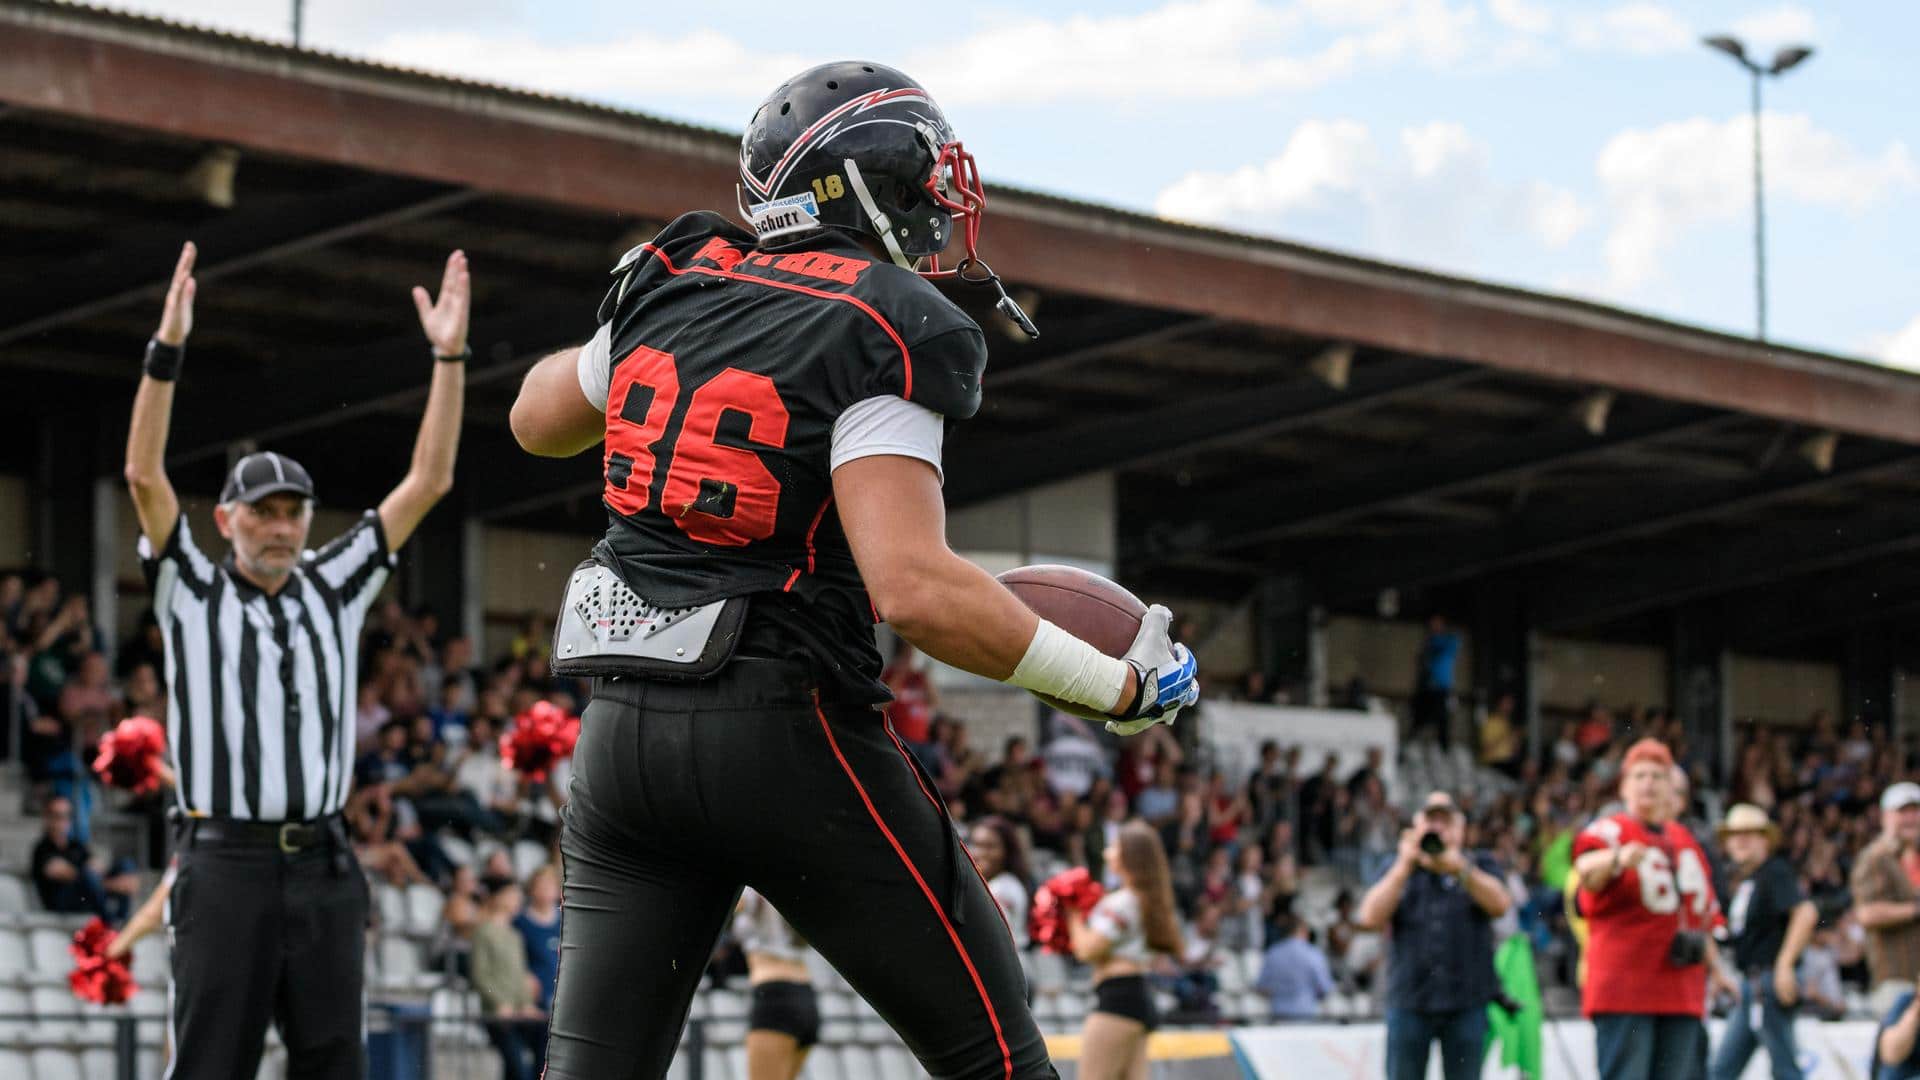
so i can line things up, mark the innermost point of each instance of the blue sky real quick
(1591, 149)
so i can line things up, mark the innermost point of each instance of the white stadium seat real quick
(150, 962)
(14, 958)
(392, 905)
(13, 894)
(713, 1062)
(399, 958)
(15, 1063)
(99, 1063)
(13, 1003)
(457, 850)
(725, 1005)
(51, 950)
(823, 1063)
(857, 1063)
(894, 1061)
(56, 1014)
(51, 1064)
(528, 856)
(423, 908)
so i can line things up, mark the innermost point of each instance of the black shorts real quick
(789, 1008)
(682, 793)
(1128, 996)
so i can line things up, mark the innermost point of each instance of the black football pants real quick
(684, 792)
(262, 937)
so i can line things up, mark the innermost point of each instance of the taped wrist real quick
(1062, 666)
(163, 360)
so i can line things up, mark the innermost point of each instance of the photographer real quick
(1770, 923)
(1440, 908)
(1649, 902)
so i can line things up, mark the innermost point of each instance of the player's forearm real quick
(143, 922)
(956, 613)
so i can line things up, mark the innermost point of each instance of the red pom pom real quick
(130, 755)
(96, 977)
(1069, 890)
(539, 738)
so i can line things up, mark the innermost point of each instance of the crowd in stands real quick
(434, 804)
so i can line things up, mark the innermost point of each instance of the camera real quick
(1688, 947)
(1431, 843)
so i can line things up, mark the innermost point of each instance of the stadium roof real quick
(1268, 407)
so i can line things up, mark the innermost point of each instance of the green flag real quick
(1518, 1033)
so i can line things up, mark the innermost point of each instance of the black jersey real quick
(729, 365)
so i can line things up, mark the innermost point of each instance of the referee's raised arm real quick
(153, 498)
(430, 475)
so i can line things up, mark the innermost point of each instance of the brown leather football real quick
(1080, 602)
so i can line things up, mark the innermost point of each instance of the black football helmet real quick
(861, 147)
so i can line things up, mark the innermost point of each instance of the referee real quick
(269, 907)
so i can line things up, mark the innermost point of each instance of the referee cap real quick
(258, 475)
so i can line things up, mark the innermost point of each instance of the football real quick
(1082, 603)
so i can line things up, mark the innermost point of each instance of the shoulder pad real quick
(682, 236)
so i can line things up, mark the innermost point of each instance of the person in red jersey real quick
(1648, 896)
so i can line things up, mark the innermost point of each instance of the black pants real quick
(683, 793)
(1433, 710)
(522, 1045)
(262, 937)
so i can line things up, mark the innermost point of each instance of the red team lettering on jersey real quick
(1632, 921)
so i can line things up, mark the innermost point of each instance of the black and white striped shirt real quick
(264, 687)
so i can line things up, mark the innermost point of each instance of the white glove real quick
(1167, 674)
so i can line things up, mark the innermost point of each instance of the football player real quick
(772, 403)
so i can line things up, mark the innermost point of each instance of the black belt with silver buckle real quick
(290, 837)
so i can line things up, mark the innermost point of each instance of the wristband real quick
(163, 361)
(1062, 666)
(465, 354)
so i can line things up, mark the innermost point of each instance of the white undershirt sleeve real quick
(596, 373)
(886, 425)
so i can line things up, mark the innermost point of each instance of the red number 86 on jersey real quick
(717, 494)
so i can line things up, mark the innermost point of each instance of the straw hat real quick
(1747, 818)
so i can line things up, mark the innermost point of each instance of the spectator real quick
(1771, 923)
(1433, 682)
(1500, 741)
(64, 876)
(1227, 813)
(1002, 862)
(1074, 760)
(1438, 904)
(482, 776)
(1159, 802)
(508, 991)
(1885, 900)
(539, 927)
(914, 697)
(1293, 973)
(452, 949)
(1317, 814)
(1648, 901)
(1120, 938)
(1820, 989)
(1595, 732)
(1270, 790)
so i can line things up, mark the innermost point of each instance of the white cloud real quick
(1521, 15)
(1900, 348)
(1194, 49)
(1429, 196)
(1633, 28)
(1765, 31)
(1659, 183)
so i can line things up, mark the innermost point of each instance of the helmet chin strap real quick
(881, 223)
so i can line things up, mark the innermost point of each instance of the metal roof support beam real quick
(136, 269)
(1781, 554)
(1364, 568)
(122, 70)
(979, 472)
(1258, 516)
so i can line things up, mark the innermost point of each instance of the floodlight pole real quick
(297, 11)
(1786, 58)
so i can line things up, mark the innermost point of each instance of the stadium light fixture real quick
(1819, 448)
(1593, 411)
(1334, 365)
(1784, 60)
